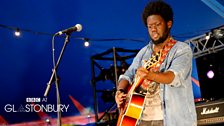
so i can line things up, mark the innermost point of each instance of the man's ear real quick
(169, 24)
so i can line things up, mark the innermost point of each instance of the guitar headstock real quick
(153, 60)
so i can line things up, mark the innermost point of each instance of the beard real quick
(161, 39)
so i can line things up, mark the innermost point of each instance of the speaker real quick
(210, 113)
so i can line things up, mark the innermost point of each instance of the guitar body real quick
(133, 111)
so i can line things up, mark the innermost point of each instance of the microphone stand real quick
(54, 76)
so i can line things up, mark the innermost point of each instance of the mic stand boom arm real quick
(54, 76)
(56, 66)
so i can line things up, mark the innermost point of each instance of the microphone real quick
(77, 27)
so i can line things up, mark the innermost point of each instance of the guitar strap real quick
(150, 85)
(164, 52)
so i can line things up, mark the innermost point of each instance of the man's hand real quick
(159, 77)
(143, 73)
(120, 98)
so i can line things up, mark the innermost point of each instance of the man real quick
(167, 86)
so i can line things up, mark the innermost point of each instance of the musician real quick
(167, 87)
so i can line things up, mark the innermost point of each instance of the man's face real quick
(158, 29)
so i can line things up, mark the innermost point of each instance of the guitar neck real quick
(136, 83)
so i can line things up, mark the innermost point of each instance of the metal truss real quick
(202, 46)
(117, 57)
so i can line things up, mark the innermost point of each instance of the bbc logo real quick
(32, 99)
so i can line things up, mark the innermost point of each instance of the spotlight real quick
(109, 74)
(210, 74)
(207, 37)
(218, 33)
(47, 120)
(108, 95)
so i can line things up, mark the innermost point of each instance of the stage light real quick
(218, 33)
(17, 32)
(207, 37)
(86, 44)
(109, 74)
(210, 74)
(47, 120)
(108, 95)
